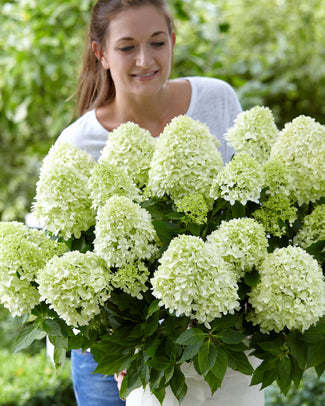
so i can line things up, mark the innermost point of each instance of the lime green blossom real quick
(107, 180)
(313, 228)
(23, 252)
(75, 286)
(124, 232)
(195, 208)
(240, 242)
(253, 133)
(185, 161)
(277, 179)
(290, 293)
(63, 203)
(301, 146)
(130, 148)
(132, 278)
(241, 180)
(192, 280)
(275, 213)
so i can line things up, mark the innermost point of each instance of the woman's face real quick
(138, 51)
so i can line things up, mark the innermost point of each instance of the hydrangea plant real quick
(173, 258)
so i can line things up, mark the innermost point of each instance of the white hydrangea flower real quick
(241, 180)
(253, 133)
(240, 242)
(63, 203)
(124, 232)
(193, 280)
(185, 161)
(23, 252)
(130, 148)
(132, 278)
(107, 180)
(301, 146)
(290, 293)
(277, 177)
(75, 286)
(313, 228)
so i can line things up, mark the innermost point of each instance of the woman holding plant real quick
(125, 78)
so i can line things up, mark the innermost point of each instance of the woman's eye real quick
(158, 44)
(126, 49)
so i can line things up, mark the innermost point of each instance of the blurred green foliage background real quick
(271, 51)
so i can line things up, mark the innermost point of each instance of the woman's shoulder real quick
(85, 133)
(209, 85)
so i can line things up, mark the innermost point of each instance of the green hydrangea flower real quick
(253, 133)
(63, 203)
(194, 206)
(241, 180)
(185, 161)
(75, 286)
(124, 232)
(277, 177)
(130, 148)
(301, 146)
(313, 228)
(107, 180)
(132, 278)
(193, 281)
(290, 293)
(23, 252)
(240, 242)
(275, 213)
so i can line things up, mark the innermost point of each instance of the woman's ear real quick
(100, 54)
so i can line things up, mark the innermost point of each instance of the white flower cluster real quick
(107, 180)
(240, 242)
(301, 146)
(241, 180)
(193, 280)
(313, 228)
(130, 148)
(132, 278)
(23, 252)
(185, 161)
(63, 203)
(277, 178)
(194, 206)
(290, 293)
(124, 232)
(75, 285)
(253, 133)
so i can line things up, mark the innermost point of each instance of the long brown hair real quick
(96, 87)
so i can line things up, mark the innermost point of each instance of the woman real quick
(125, 77)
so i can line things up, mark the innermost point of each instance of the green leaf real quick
(189, 352)
(169, 372)
(176, 325)
(153, 308)
(225, 322)
(220, 366)
(151, 324)
(297, 348)
(239, 361)
(132, 380)
(284, 373)
(229, 336)
(178, 385)
(316, 354)
(212, 381)
(159, 363)
(27, 335)
(238, 210)
(52, 327)
(272, 347)
(251, 278)
(207, 356)
(191, 336)
(109, 365)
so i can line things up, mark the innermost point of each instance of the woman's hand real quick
(119, 378)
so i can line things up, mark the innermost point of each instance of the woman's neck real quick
(149, 112)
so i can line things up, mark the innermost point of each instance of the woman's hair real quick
(96, 87)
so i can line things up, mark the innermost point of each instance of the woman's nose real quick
(144, 57)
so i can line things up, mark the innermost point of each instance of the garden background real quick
(271, 51)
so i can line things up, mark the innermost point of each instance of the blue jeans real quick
(92, 389)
